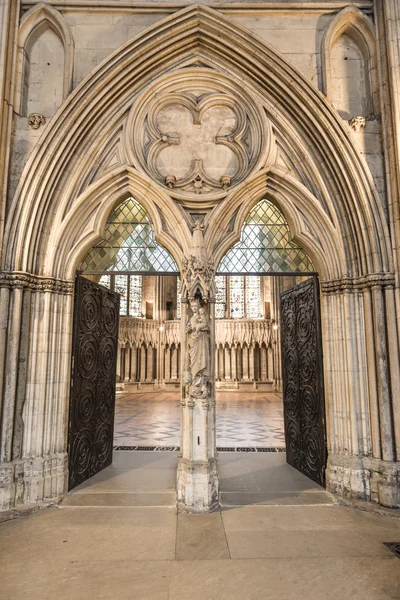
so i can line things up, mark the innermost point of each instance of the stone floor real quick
(278, 537)
(243, 419)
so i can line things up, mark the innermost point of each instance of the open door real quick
(93, 379)
(302, 373)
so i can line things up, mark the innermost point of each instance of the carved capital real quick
(354, 284)
(36, 283)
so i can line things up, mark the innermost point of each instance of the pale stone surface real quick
(338, 188)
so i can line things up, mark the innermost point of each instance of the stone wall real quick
(299, 134)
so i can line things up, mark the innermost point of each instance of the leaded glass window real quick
(236, 290)
(135, 295)
(128, 245)
(253, 298)
(220, 296)
(121, 287)
(178, 298)
(265, 245)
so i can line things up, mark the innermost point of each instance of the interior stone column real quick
(35, 333)
(264, 375)
(277, 285)
(359, 384)
(234, 369)
(168, 351)
(127, 362)
(150, 362)
(174, 368)
(133, 363)
(197, 476)
(119, 351)
(142, 363)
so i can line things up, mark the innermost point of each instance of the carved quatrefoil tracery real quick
(197, 135)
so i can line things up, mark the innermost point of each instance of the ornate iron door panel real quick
(302, 373)
(93, 380)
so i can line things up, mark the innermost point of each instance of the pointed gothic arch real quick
(197, 33)
(42, 14)
(52, 221)
(353, 22)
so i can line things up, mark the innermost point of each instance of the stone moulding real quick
(36, 283)
(41, 13)
(354, 284)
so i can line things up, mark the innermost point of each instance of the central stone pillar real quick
(197, 476)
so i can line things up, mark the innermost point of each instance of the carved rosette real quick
(197, 134)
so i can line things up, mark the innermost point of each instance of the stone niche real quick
(196, 133)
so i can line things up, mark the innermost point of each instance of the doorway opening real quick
(268, 283)
(113, 294)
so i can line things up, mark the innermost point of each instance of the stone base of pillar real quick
(33, 480)
(197, 486)
(364, 478)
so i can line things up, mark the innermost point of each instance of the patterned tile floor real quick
(243, 419)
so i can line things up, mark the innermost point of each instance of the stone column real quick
(167, 375)
(150, 363)
(197, 477)
(174, 361)
(35, 331)
(276, 290)
(142, 362)
(251, 363)
(245, 359)
(127, 362)
(359, 401)
(133, 363)
(264, 374)
(227, 352)
(119, 351)
(234, 363)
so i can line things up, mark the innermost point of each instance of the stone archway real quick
(82, 167)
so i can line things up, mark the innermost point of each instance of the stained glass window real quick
(121, 286)
(128, 244)
(135, 295)
(236, 290)
(265, 245)
(105, 280)
(220, 297)
(178, 298)
(253, 298)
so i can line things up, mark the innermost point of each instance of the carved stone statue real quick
(198, 331)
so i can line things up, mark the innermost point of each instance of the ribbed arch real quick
(196, 33)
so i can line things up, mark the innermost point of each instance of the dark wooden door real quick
(302, 373)
(93, 379)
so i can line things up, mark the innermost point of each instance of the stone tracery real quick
(353, 243)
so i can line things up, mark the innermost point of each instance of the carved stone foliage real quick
(197, 274)
(357, 124)
(35, 120)
(197, 135)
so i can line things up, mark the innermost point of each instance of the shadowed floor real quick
(279, 536)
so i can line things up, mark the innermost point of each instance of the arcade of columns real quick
(198, 130)
(247, 351)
